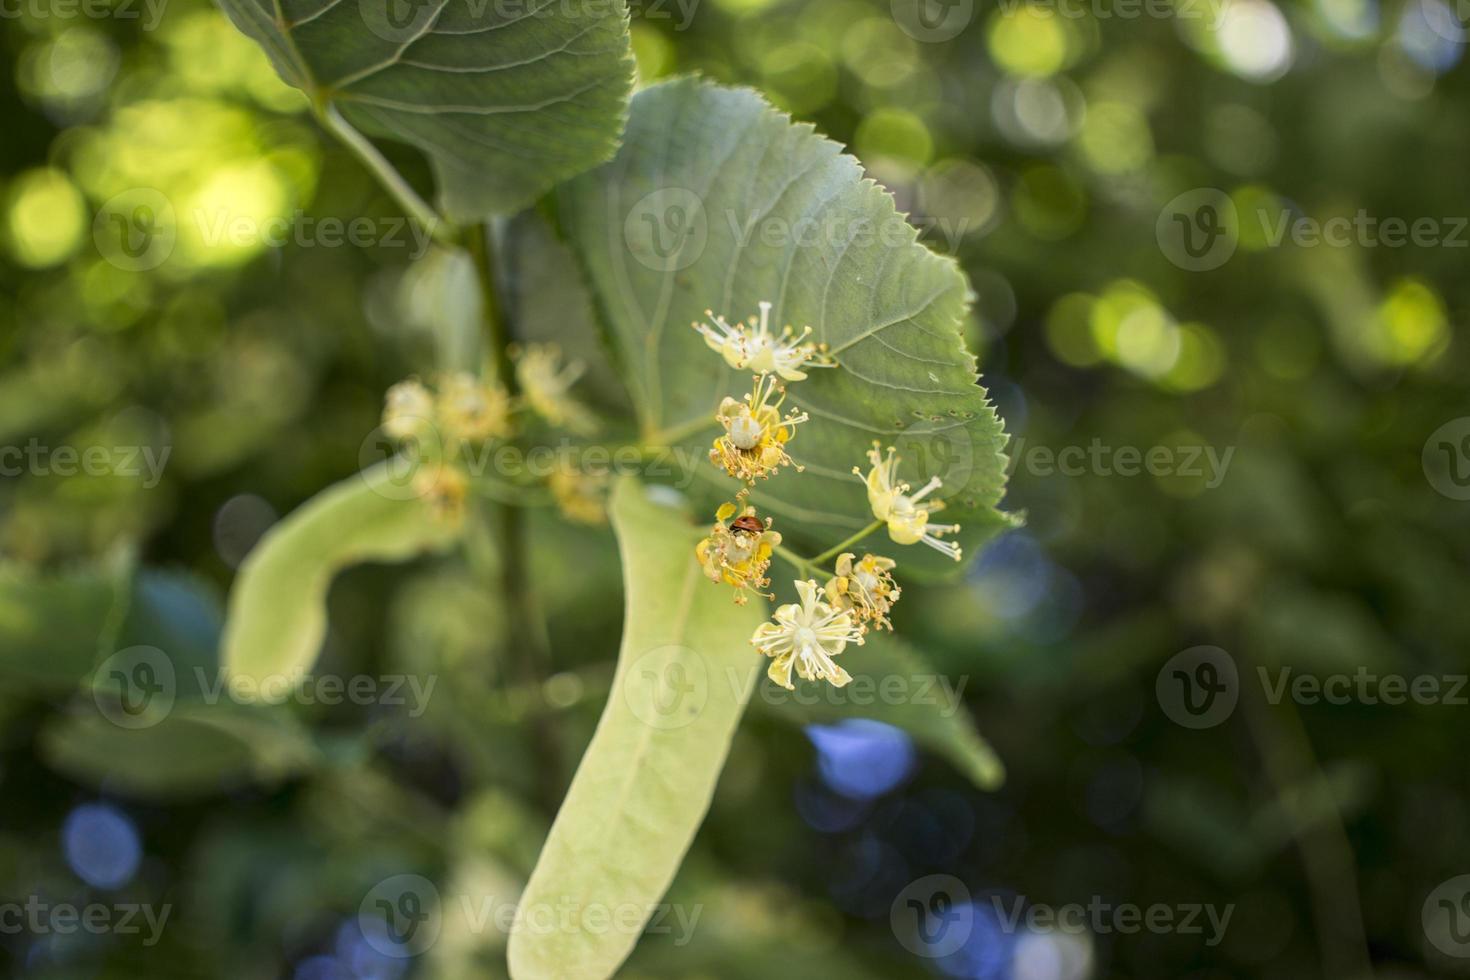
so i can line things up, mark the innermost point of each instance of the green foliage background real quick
(1038, 151)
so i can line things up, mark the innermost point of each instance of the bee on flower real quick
(471, 411)
(805, 636)
(751, 345)
(865, 589)
(738, 553)
(546, 384)
(905, 513)
(756, 434)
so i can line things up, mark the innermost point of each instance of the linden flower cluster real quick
(738, 553)
(754, 443)
(433, 423)
(802, 637)
(906, 517)
(752, 345)
(436, 421)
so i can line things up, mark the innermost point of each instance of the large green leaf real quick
(277, 615)
(894, 683)
(717, 201)
(684, 675)
(506, 99)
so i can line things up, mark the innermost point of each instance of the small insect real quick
(748, 522)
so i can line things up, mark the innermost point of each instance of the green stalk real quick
(526, 637)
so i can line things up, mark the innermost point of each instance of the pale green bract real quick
(684, 675)
(717, 201)
(506, 98)
(277, 614)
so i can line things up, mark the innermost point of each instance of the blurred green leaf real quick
(505, 101)
(684, 674)
(53, 628)
(894, 683)
(717, 201)
(277, 614)
(196, 749)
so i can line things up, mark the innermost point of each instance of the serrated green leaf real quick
(684, 674)
(717, 201)
(277, 613)
(894, 683)
(506, 99)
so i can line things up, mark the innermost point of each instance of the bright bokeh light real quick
(1031, 41)
(895, 135)
(1254, 40)
(1037, 111)
(962, 194)
(860, 758)
(46, 218)
(1133, 330)
(1115, 138)
(101, 845)
(73, 67)
(1411, 324)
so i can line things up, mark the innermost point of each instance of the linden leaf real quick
(683, 677)
(506, 99)
(893, 683)
(277, 613)
(717, 201)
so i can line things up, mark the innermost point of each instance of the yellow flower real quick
(445, 488)
(546, 384)
(806, 636)
(752, 346)
(408, 410)
(739, 553)
(470, 411)
(754, 443)
(865, 588)
(908, 521)
(579, 494)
